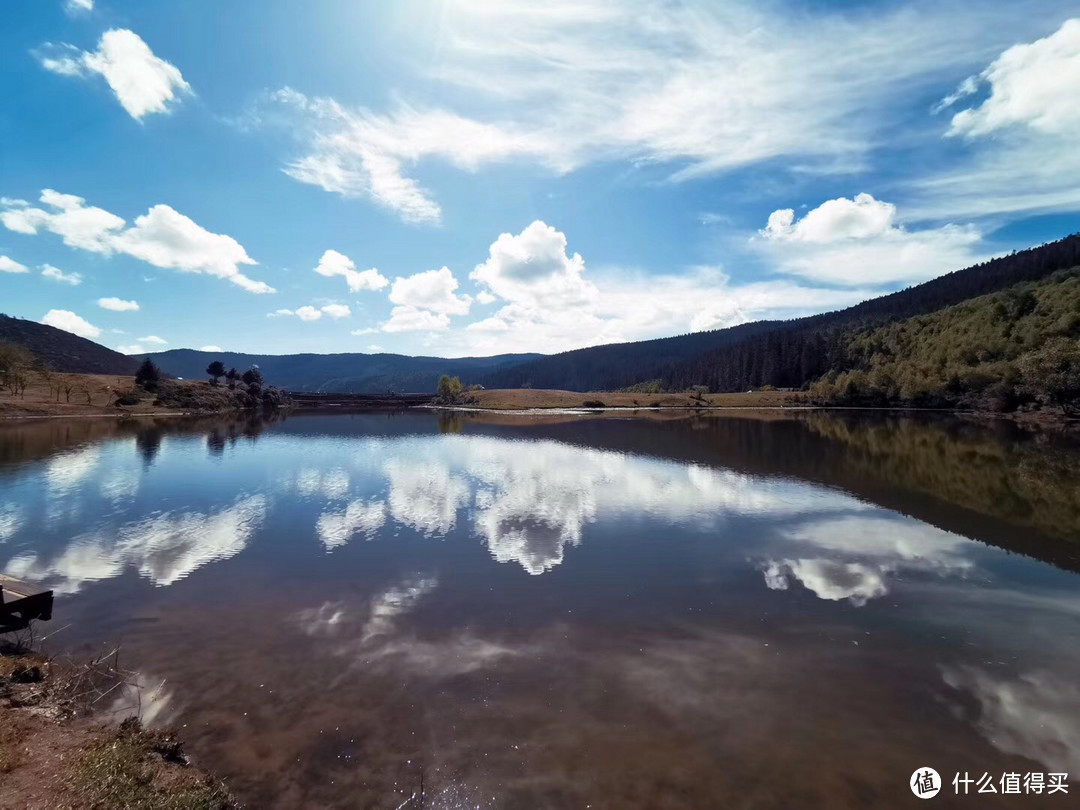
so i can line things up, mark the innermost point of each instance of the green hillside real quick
(62, 351)
(1001, 351)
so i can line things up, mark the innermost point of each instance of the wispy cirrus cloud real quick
(697, 87)
(59, 276)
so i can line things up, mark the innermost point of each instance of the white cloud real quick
(162, 237)
(411, 319)
(358, 153)
(143, 83)
(10, 521)
(80, 226)
(337, 528)
(859, 241)
(153, 340)
(549, 303)
(211, 349)
(700, 87)
(131, 348)
(833, 220)
(78, 6)
(9, 265)
(70, 322)
(1023, 155)
(484, 297)
(828, 579)
(333, 264)
(333, 483)
(389, 606)
(374, 348)
(1034, 85)
(337, 311)
(425, 497)
(310, 313)
(66, 472)
(164, 548)
(166, 238)
(118, 305)
(432, 290)
(533, 269)
(58, 275)
(530, 508)
(855, 556)
(1033, 715)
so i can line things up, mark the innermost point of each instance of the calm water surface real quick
(710, 611)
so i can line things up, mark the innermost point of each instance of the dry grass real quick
(95, 395)
(526, 398)
(129, 767)
(84, 394)
(54, 752)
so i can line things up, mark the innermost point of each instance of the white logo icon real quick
(925, 783)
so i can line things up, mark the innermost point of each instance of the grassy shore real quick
(512, 399)
(96, 395)
(60, 748)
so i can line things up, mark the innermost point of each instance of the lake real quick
(713, 610)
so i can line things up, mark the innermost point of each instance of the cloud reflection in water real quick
(854, 556)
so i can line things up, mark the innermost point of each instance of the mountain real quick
(339, 373)
(618, 365)
(785, 354)
(63, 351)
(993, 352)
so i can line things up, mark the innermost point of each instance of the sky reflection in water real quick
(546, 616)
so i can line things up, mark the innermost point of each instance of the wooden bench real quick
(20, 602)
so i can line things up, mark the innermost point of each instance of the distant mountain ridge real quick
(785, 354)
(63, 351)
(339, 373)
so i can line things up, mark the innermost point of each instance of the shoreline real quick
(59, 749)
(1040, 418)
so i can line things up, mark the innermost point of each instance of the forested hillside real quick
(62, 351)
(340, 373)
(619, 365)
(994, 352)
(783, 354)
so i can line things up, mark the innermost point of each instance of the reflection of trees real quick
(978, 479)
(1002, 471)
(148, 443)
(216, 440)
(450, 422)
(29, 441)
(223, 433)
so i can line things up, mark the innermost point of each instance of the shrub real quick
(126, 399)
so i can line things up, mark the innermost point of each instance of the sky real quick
(474, 177)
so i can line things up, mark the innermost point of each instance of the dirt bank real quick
(60, 749)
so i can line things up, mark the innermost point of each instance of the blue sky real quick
(456, 177)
